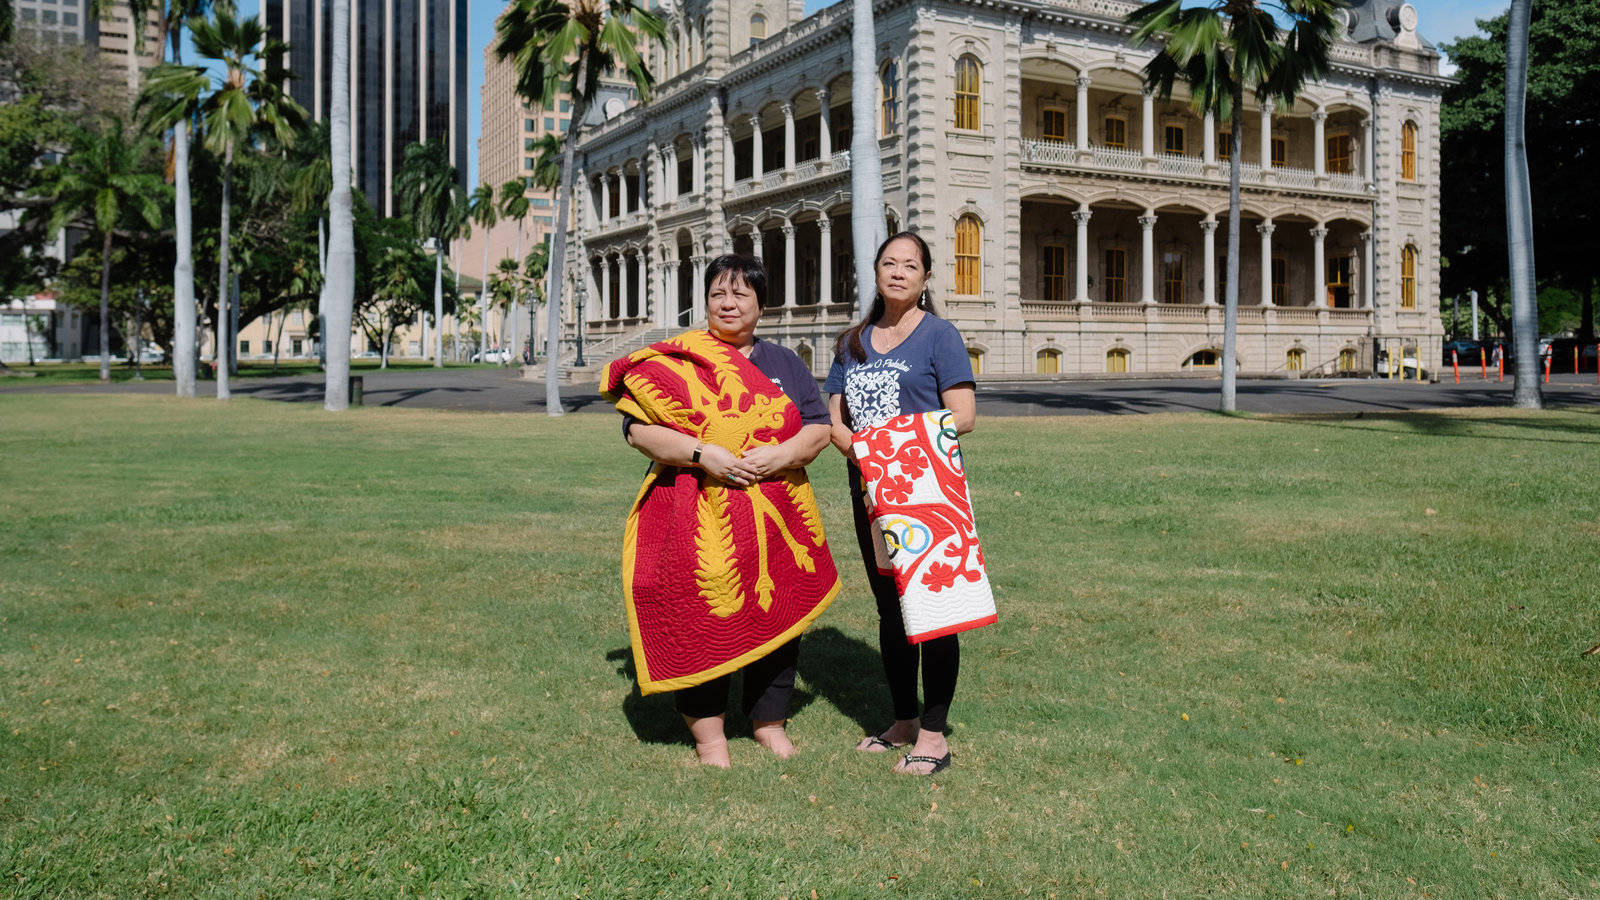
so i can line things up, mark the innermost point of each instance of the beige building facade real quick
(1078, 223)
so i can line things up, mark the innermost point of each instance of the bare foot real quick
(710, 742)
(901, 733)
(930, 745)
(772, 736)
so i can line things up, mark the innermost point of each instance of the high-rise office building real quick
(408, 78)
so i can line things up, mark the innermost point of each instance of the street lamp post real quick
(578, 362)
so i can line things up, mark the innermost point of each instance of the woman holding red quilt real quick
(724, 558)
(902, 358)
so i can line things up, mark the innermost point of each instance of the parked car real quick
(1468, 353)
(500, 355)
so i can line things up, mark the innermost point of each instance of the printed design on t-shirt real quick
(873, 391)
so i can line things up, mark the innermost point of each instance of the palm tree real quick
(338, 296)
(238, 106)
(169, 25)
(514, 205)
(866, 168)
(554, 46)
(503, 288)
(104, 175)
(1525, 391)
(429, 188)
(483, 212)
(396, 291)
(1216, 48)
(309, 187)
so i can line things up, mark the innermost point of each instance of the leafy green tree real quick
(430, 192)
(1217, 48)
(104, 177)
(555, 46)
(233, 108)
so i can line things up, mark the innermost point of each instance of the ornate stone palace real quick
(1078, 224)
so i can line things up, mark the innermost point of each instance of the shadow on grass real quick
(1433, 425)
(848, 673)
(655, 719)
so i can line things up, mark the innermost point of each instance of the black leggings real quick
(768, 685)
(940, 657)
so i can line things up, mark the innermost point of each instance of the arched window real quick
(1295, 360)
(1201, 359)
(1117, 360)
(889, 87)
(758, 28)
(1408, 278)
(1347, 359)
(969, 243)
(1047, 362)
(1408, 151)
(975, 356)
(969, 74)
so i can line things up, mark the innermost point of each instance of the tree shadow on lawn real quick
(655, 719)
(1587, 432)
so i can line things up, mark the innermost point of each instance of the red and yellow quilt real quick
(714, 576)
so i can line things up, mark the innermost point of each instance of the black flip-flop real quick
(939, 763)
(878, 740)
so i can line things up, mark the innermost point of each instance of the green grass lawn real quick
(89, 373)
(259, 649)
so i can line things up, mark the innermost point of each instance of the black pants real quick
(940, 658)
(768, 685)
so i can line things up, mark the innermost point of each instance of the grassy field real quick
(258, 649)
(122, 370)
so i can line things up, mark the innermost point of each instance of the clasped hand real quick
(754, 465)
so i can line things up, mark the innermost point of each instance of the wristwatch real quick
(695, 458)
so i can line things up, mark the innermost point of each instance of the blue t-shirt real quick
(907, 379)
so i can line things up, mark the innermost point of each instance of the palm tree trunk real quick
(340, 280)
(867, 228)
(277, 340)
(220, 359)
(1230, 301)
(1525, 393)
(557, 262)
(516, 295)
(183, 314)
(322, 295)
(438, 302)
(105, 309)
(483, 301)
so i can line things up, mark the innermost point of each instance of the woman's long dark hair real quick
(850, 339)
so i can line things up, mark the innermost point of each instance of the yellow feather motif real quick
(716, 571)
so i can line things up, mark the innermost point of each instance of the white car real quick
(499, 355)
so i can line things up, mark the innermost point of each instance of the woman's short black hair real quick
(740, 267)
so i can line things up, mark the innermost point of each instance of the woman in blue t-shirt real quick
(902, 359)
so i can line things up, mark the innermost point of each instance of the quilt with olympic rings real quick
(922, 521)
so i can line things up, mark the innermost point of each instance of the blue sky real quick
(1439, 22)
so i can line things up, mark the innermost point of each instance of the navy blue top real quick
(907, 379)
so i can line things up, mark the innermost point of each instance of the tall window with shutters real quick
(1116, 275)
(889, 87)
(1116, 132)
(1408, 278)
(1339, 155)
(1053, 266)
(1172, 277)
(969, 255)
(1408, 151)
(969, 76)
(1280, 280)
(1053, 126)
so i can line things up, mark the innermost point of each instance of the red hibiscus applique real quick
(895, 489)
(881, 442)
(939, 577)
(913, 462)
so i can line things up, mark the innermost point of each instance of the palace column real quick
(825, 260)
(824, 133)
(1208, 290)
(1081, 273)
(755, 146)
(1147, 147)
(697, 289)
(1319, 277)
(1147, 261)
(1209, 135)
(605, 287)
(627, 196)
(1083, 112)
(699, 179)
(788, 138)
(1266, 137)
(641, 304)
(1369, 281)
(605, 197)
(1266, 228)
(757, 245)
(727, 157)
(1319, 141)
(788, 263)
(1369, 155)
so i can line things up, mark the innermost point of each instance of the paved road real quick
(502, 391)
